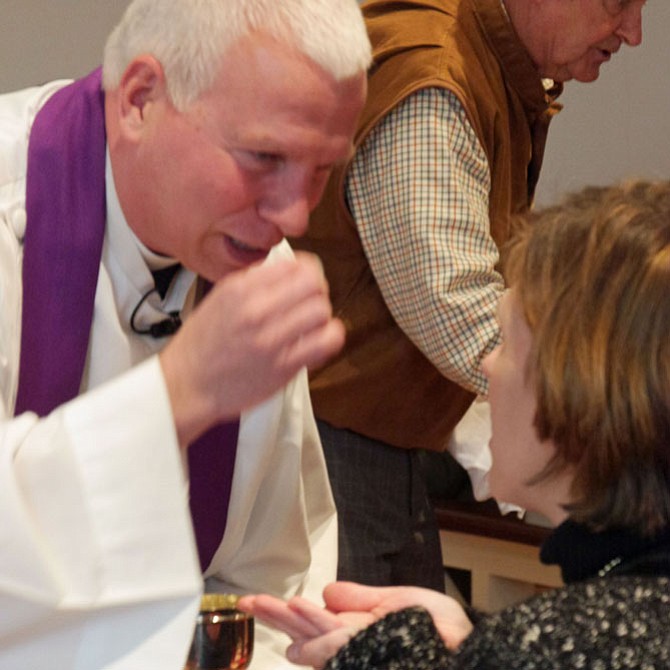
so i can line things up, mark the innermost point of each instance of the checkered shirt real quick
(418, 189)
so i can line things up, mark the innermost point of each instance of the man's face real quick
(242, 167)
(581, 35)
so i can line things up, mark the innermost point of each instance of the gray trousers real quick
(387, 529)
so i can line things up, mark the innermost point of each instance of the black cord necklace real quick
(164, 328)
(169, 326)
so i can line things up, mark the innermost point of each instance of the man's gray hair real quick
(189, 37)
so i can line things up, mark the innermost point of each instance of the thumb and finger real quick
(349, 596)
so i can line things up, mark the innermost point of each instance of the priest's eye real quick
(259, 161)
(266, 158)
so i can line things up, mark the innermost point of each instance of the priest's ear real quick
(141, 91)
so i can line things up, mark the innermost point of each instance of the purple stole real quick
(66, 214)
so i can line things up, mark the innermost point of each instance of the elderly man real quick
(449, 145)
(163, 195)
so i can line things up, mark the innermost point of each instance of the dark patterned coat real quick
(618, 619)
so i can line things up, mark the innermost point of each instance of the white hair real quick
(189, 37)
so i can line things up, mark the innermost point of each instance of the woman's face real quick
(517, 452)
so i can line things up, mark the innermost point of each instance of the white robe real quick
(98, 566)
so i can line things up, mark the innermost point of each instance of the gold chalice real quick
(223, 637)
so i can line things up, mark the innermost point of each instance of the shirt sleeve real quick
(402, 640)
(93, 509)
(419, 190)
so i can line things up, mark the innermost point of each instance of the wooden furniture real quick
(501, 553)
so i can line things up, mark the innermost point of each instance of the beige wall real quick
(42, 40)
(617, 126)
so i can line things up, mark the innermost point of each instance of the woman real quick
(580, 403)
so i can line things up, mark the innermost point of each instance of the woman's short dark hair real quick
(593, 280)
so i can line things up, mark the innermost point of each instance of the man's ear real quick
(142, 86)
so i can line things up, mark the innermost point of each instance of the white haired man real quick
(449, 146)
(156, 191)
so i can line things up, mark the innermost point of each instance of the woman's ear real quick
(142, 86)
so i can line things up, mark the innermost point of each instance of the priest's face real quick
(222, 182)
